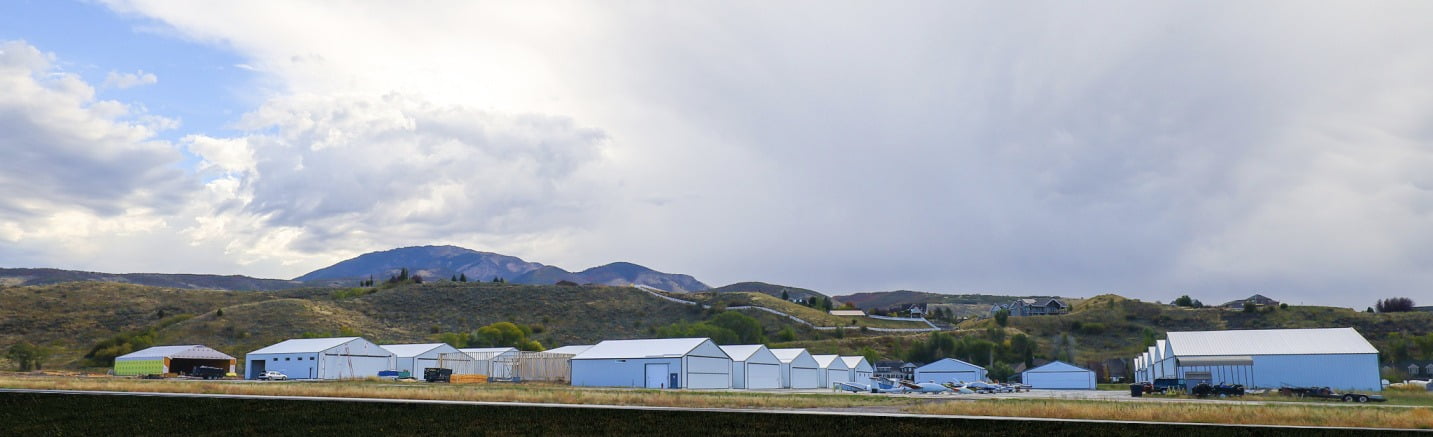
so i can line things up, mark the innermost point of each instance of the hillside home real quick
(1257, 300)
(1032, 307)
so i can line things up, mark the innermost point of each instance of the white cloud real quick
(320, 175)
(129, 80)
(1152, 149)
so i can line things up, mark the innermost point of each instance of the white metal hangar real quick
(949, 370)
(415, 358)
(798, 369)
(753, 366)
(833, 370)
(860, 369)
(653, 363)
(1339, 358)
(320, 358)
(1060, 376)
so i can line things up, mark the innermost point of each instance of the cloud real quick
(76, 170)
(129, 80)
(319, 172)
(66, 151)
(1150, 149)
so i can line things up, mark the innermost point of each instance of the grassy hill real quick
(20, 277)
(773, 290)
(72, 317)
(887, 299)
(815, 316)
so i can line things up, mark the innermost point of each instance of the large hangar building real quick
(1339, 358)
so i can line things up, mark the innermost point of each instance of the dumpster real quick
(1136, 390)
(437, 374)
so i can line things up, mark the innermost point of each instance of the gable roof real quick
(411, 350)
(304, 345)
(789, 355)
(191, 351)
(1059, 366)
(946, 362)
(831, 362)
(1270, 342)
(646, 348)
(741, 352)
(570, 350)
(855, 362)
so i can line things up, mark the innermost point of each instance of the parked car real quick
(273, 375)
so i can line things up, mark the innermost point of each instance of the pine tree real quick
(463, 277)
(455, 278)
(403, 274)
(785, 296)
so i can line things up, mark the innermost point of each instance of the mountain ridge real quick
(446, 261)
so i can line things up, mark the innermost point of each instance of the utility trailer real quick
(1327, 393)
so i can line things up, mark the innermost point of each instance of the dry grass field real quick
(1332, 415)
(1195, 412)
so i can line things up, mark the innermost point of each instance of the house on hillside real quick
(1032, 307)
(1258, 300)
(894, 369)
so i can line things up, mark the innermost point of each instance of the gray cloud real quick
(65, 150)
(1150, 149)
(397, 170)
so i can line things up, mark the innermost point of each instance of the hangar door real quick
(805, 377)
(1061, 380)
(835, 376)
(939, 377)
(708, 372)
(762, 375)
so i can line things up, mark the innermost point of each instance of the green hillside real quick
(71, 318)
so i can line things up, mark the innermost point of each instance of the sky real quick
(1150, 149)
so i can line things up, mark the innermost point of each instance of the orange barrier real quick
(468, 379)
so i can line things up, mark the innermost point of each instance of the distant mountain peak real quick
(442, 262)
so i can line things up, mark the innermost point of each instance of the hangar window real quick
(286, 358)
(276, 358)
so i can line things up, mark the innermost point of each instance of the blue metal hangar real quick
(1339, 358)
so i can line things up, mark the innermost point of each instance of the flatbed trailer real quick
(1327, 393)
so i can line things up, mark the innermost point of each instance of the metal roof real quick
(570, 350)
(741, 352)
(1058, 366)
(648, 348)
(788, 355)
(411, 350)
(830, 362)
(854, 362)
(304, 345)
(192, 351)
(1270, 342)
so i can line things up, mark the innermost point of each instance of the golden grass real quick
(527, 392)
(1194, 412)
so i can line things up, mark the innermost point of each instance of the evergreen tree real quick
(454, 279)
(463, 277)
(785, 296)
(403, 274)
